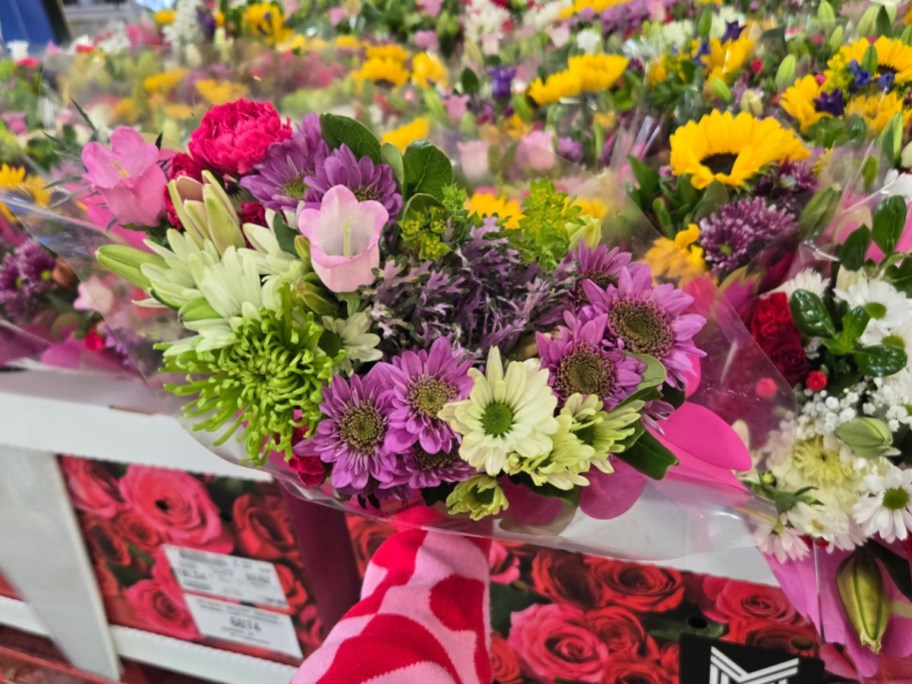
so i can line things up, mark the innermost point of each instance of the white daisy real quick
(888, 307)
(507, 412)
(887, 511)
(784, 542)
(808, 279)
(359, 343)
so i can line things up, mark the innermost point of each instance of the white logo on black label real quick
(723, 670)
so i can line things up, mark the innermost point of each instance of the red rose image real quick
(233, 137)
(736, 600)
(136, 530)
(309, 629)
(367, 536)
(553, 642)
(505, 665)
(670, 657)
(565, 578)
(105, 542)
(159, 611)
(107, 583)
(639, 671)
(262, 527)
(504, 565)
(178, 506)
(641, 588)
(621, 631)
(293, 586)
(92, 487)
(798, 639)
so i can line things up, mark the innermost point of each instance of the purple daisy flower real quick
(419, 470)
(421, 384)
(367, 180)
(280, 179)
(603, 267)
(579, 363)
(354, 434)
(739, 231)
(648, 321)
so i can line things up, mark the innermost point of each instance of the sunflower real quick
(267, 21)
(395, 52)
(427, 69)
(727, 57)
(877, 110)
(893, 57)
(164, 81)
(598, 72)
(408, 133)
(731, 149)
(556, 87)
(14, 179)
(798, 101)
(596, 6)
(220, 92)
(488, 204)
(380, 70)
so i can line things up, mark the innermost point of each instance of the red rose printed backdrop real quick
(565, 617)
(127, 515)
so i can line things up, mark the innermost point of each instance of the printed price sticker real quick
(227, 576)
(244, 625)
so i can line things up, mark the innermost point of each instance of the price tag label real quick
(244, 625)
(227, 576)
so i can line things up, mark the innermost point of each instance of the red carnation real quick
(816, 381)
(232, 138)
(774, 329)
(181, 165)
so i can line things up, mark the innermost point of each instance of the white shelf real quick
(104, 417)
(187, 658)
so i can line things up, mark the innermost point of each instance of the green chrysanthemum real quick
(604, 431)
(479, 496)
(269, 383)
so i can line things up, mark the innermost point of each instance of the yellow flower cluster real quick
(220, 92)
(164, 81)
(680, 259)
(408, 133)
(584, 74)
(266, 21)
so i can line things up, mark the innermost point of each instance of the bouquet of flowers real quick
(348, 318)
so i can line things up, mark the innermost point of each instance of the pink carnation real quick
(233, 137)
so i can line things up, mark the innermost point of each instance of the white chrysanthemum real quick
(185, 29)
(808, 279)
(896, 183)
(509, 411)
(887, 510)
(781, 541)
(888, 307)
(589, 40)
(359, 343)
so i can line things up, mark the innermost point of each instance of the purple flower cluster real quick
(280, 179)
(483, 295)
(739, 231)
(25, 275)
(619, 312)
(381, 430)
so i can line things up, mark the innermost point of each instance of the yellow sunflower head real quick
(597, 72)
(379, 70)
(488, 204)
(556, 87)
(164, 81)
(15, 179)
(877, 110)
(427, 69)
(731, 149)
(392, 51)
(266, 21)
(894, 58)
(798, 100)
(220, 92)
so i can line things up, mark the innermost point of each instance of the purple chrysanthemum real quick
(570, 149)
(648, 321)
(419, 470)
(354, 435)
(603, 267)
(25, 275)
(421, 383)
(280, 179)
(579, 363)
(367, 180)
(737, 232)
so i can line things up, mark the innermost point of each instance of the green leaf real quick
(714, 197)
(670, 628)
(649, 457)
(880, 361)
(647, 179)
(854, 324)
(896, 566)
(392, 157)
(811, 315)
(342, 130)
(469, 81)
(883, 26)
(506, 600)
(853, 250)
(900, 275)
(889, 220)
(891, 139)
(426, 169)
(819, 212)
(285, 234)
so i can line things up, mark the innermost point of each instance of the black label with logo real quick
(706, 661)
